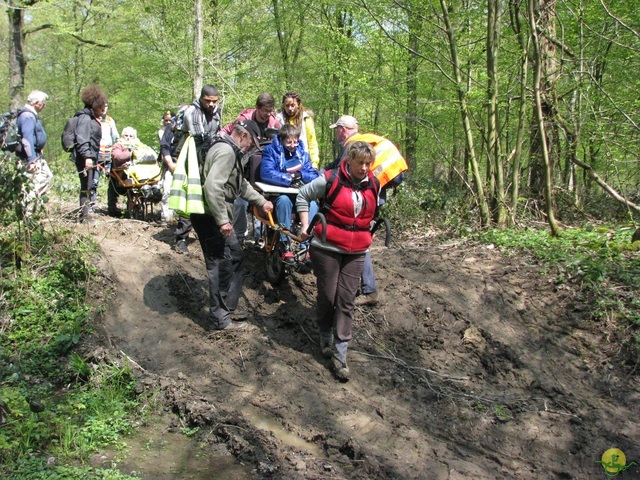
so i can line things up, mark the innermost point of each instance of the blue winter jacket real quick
(278, 164)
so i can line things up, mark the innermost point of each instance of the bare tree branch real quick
(606, 9)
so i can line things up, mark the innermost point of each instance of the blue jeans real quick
(284, 207)
(240, 217)
(241, 220)
(368, 277)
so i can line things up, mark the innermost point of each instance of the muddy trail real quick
(473, 365)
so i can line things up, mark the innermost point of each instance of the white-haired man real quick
(33, 140)
(346, 128)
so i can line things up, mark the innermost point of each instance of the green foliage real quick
(419, 204)
(14, 188)
(190, 431)
(47, 312)
(38, 468)
(57, 404)
(12, 194)
(389, 64)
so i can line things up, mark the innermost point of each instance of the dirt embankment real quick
(473, 366)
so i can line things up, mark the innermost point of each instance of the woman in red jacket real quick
(350, 198)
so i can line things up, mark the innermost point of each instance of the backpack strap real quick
(218, 139)
(333, 189)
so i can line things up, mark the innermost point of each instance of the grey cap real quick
(345, 121)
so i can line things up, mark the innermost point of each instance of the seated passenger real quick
(285, 163)
(138, 162)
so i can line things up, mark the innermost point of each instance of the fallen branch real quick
(132, 361)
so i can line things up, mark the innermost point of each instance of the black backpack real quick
(9, 135)
(68, 137)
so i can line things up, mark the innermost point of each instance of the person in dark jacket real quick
(202, 121)
(32, 142)
(352, 191)
(262, 114)
(87, 145)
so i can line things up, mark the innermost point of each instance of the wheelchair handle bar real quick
(387, 228)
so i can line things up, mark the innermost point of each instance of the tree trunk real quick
(198, 49)
(540, 117)
(543, 16)
(485, 217)
(412, 94)
(514, 10)
(17, 62)
(494, 152)
(280, 22)
(286, 22)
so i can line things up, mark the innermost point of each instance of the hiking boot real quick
(340, 370)
(326, 347)
(233, 326)
(288, 258)
(239, 315)
(367, 299)
(307, 260)
(181, 246)
(114, 212)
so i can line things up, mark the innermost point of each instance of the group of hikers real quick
(346, 192)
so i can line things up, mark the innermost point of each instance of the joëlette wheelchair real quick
(141, 185)
(276, 269)
(273, 247)
(271, 230)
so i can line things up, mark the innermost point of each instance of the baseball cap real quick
(345, 121)
(251, 127)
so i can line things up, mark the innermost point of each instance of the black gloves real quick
(296, 180)
(201, 138)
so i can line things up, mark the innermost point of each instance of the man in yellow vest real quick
(389, 167)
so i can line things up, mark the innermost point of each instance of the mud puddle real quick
(262, 422)
(154, 453)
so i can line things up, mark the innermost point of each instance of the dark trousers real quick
(87, 194)
(183, 227)
(223, 259)
(338, 278)
(114, 189)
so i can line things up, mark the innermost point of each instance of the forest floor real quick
(474, 365)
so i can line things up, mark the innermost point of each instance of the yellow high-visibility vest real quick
(389, 162)
(186, 190)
